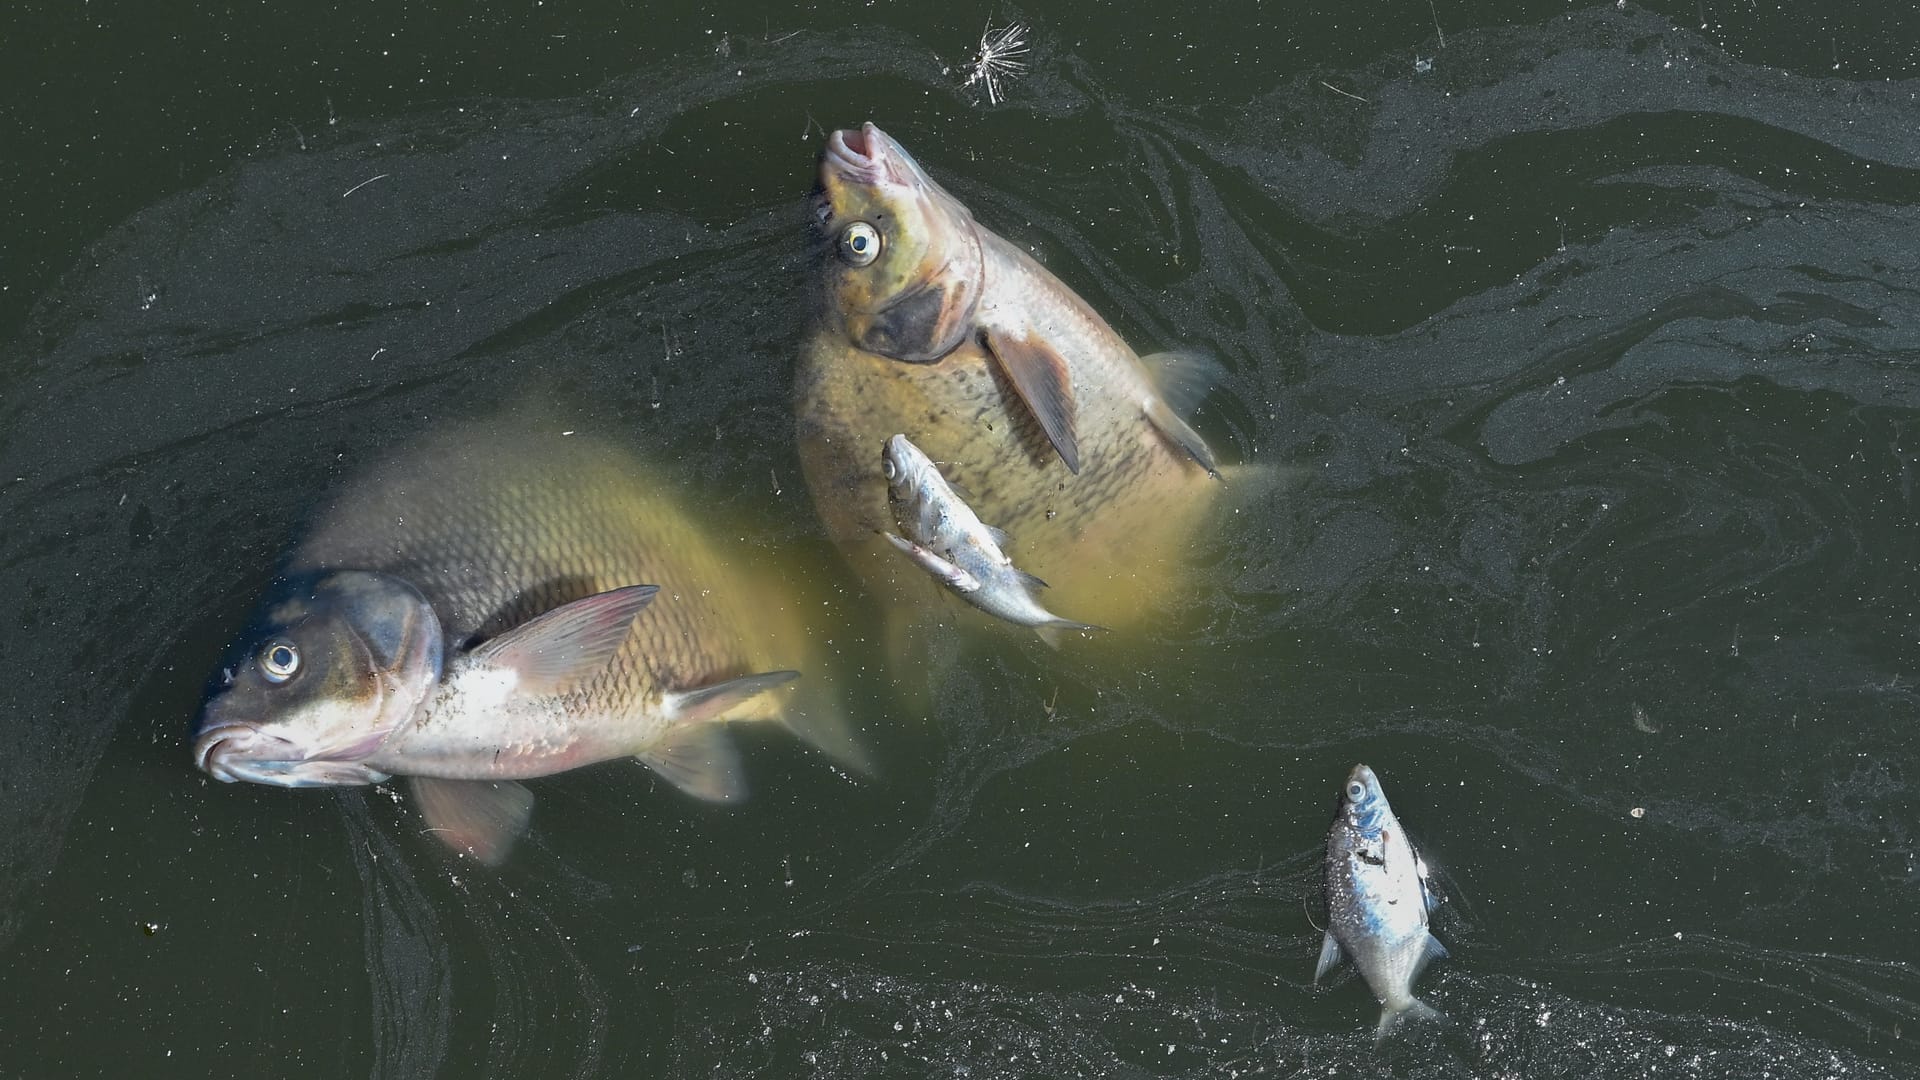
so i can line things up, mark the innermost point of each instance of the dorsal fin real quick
(569, 646)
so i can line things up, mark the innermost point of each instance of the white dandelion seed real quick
(997, 59)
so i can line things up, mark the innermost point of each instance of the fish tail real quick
(1054, 631)
(818, 718)
(1393, 1016)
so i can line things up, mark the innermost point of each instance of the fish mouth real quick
(216, 749)
(852, 153)
(241, 753)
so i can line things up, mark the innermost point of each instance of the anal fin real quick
(700, 760)
(482, 818)
(1181, 434)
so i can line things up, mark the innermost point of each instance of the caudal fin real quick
(1053, 633)
(819, 719)
(1391, 1018)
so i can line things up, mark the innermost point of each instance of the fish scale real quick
(543, 545)
(493, 606)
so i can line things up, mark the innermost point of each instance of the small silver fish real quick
(948, 540)
(1377, 901)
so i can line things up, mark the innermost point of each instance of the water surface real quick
(1585, 354)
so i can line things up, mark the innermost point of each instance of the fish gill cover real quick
(1587, 354)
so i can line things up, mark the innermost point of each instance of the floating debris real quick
(996, 61)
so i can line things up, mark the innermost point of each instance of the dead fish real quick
(492, 607)
(931, 324)
(1377, 901)
(948, 540)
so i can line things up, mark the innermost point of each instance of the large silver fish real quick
(948, 540)
(932, 325)
(1377, 901)
(491, 607)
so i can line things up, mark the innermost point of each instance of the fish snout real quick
(216, 750)
(857, 155)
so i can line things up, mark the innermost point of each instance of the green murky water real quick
(1585, 340)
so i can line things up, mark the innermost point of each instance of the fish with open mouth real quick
(493, 606)
(933, 325)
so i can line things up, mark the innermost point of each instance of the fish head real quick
(903, 267)
(907, 470)
(1363, 805)
(338, 663)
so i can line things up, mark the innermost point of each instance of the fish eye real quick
(279, 660)
(1356, 791)
(859, 244)
(887, 468)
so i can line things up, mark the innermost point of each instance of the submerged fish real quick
(948, 540)
(1377, 901)
(491, 607)
(933, 325)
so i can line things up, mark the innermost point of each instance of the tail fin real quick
(817, 716)
(1392, 1017)
(1053, 632)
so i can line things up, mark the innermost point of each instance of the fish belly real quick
(1111, 541)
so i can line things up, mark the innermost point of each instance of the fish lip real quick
(211, 741)
(857, 155)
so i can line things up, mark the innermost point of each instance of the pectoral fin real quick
(1329, 957)
(949, 575)
(482, 818)
(700, 760)
(1043, 380)
(707, 702)
(570, 645)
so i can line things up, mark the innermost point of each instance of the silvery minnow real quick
(948, 540)
(1377, 901)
